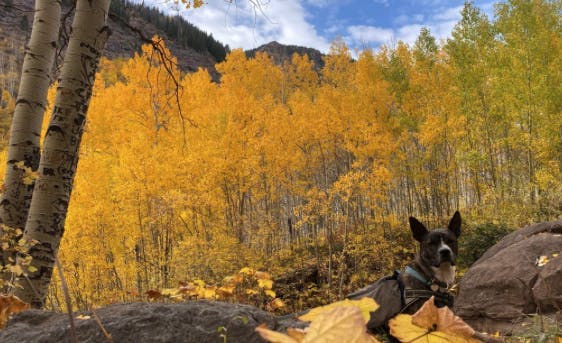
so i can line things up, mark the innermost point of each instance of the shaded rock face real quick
(197, 321)
(281, 53)
(507, 282)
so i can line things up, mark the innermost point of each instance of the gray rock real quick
(506, 284)
(196, 321)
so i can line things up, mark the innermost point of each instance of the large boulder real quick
(196, 321)
(520, 275)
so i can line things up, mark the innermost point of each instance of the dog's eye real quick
(448, 241)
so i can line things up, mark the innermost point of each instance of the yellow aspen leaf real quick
(339, 324)
(237, 278)
(225, 291)
(187, 289)
(16, 269)
(262, 275)
(210, 292)
(266, 284)
(10, 304)
(199, 283)
(247, 271)
(82, 317)
(276, 304)
(29, 176)
(270, 293)
(20, 164)
(251, 291)
(274, 336)
(296, 333)
(542, 261)
(170, 292)
(366, 306)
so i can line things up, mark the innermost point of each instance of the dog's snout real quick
(445, 252)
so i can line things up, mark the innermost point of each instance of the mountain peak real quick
(281, 53)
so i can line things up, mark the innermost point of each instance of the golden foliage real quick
(280, 165)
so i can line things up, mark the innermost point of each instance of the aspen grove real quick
(278, 166)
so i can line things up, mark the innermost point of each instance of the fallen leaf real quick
(431, 324)
(153, 294)
(225, 291)
(265, 283)
(263, 275)
(276, 304)
(542, 260)
(340, 324)
(366, 305)
(297, 334)
(10, 304)
(274, 336)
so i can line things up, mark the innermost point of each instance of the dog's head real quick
(437, 247)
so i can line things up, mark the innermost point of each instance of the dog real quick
(431, 273)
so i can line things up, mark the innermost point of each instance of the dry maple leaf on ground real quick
(366, 305)
(433, 325)
(10, 304)
(338, 324)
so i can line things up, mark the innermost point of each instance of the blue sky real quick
(316, 23)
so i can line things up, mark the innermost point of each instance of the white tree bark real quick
(47, 213)
(28, 114)
(28, 118)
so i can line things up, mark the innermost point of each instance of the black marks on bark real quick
(54, 129)
(48, 171)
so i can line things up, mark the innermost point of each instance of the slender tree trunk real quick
(49, 205)
(28, 113)
(28, 117)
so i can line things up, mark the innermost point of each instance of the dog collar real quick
(433, 284)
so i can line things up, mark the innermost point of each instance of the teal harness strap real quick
(442, 298)
(417, 275)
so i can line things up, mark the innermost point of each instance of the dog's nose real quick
(445, 252)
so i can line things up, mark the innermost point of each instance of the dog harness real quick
(437, 289)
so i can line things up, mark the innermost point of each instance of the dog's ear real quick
(455, 224)
(418, 229)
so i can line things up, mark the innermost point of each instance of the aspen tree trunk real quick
(28, 114)
(49, 205)
(28, 117)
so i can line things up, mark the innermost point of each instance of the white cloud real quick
(452, 13)
(247, 27)
(369, 34)
(440, 23)
(385, 3)
(404, 19)
(287, 21)
(318, 3)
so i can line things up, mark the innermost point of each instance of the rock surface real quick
(508, 283)
(196, 321)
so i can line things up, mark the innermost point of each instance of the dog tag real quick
(434, 287)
